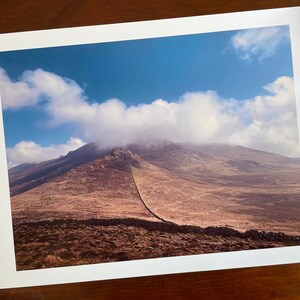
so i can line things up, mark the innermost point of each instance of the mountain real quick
(203, 185)
(101, 188)
(27, 176)
(219, 163)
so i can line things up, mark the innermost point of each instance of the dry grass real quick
(68, 242)
(83, 216)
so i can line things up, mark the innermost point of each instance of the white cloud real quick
(273, 120)
(35, 86)
(66, 100)
(197, 117)
(267, 122)
(259, 43)
(30, 152)
(15, 94)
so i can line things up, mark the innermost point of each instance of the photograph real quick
(152, 148)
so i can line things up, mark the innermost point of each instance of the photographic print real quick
(152, 148)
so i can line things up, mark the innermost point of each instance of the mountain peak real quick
(121, 152)
(126, 155)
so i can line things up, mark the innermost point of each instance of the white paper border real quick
(9, 277)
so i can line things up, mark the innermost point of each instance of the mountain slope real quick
(183, 200)
(152, 201)
(221, 164)
(28, 176)
(102, 188)
(208, 185)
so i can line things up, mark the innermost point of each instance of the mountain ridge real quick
(170, 182)
(27, 176)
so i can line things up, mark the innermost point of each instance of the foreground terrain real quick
(152, 201)
(68, 242)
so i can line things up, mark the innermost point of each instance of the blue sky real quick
(232, 63)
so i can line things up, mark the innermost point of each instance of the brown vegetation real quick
(68, 242)
(153, 201)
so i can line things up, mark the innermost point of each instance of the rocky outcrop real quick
(126, 155)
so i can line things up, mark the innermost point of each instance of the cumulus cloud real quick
(197, 117)
(272, 119)
(15, 94)
(266, 122)
(65, 99)
(259, 43)
(30, 152)
(38, 86)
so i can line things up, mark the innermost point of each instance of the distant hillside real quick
(27, 176)
(205, 185)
